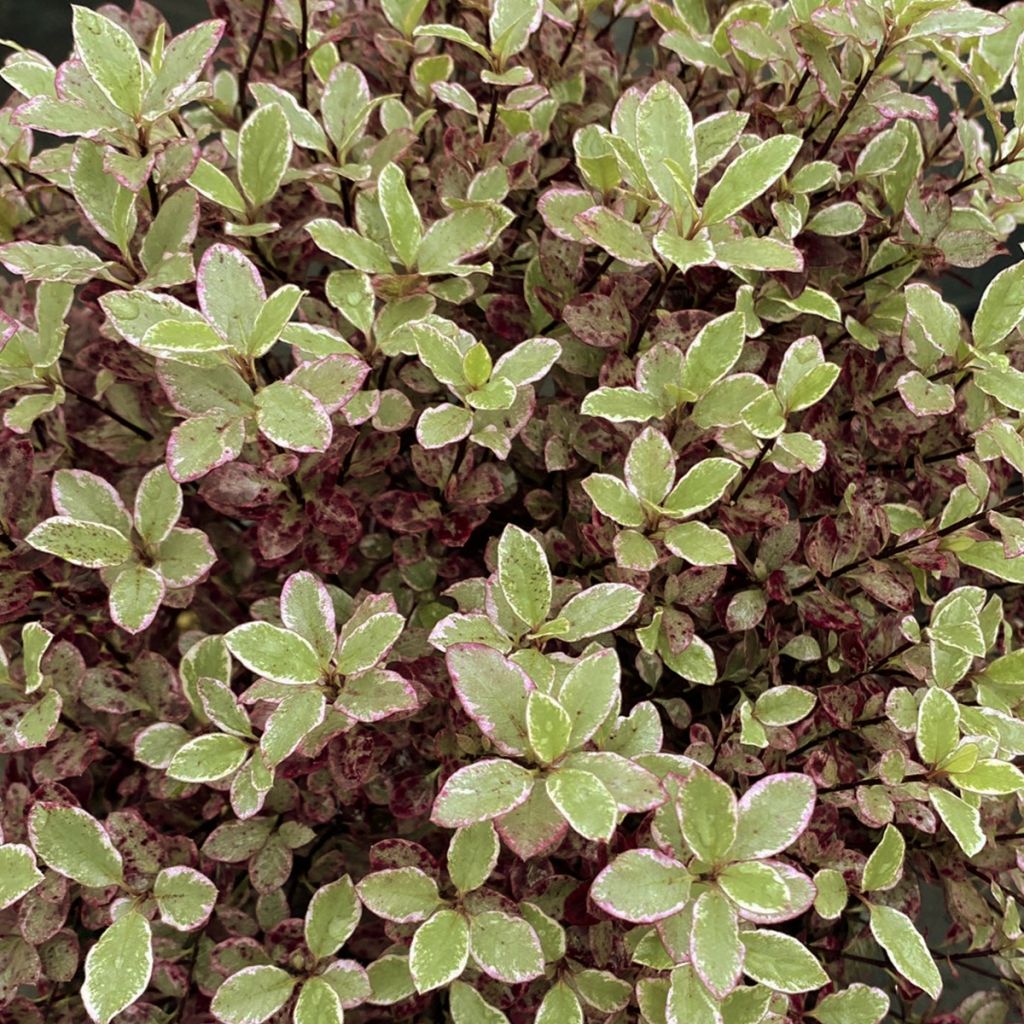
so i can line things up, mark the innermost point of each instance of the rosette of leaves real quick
(135, 891)
(320, 681)
(547, 711)
(142, 555)
(208, 365)
(323, 985)
(711, 880)
(34, 724)
(495, 398)
(30, 359)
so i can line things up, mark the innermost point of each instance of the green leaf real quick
(885, 865)
(755, 887)
(529, 362)
(938, 726)
(175, 339)
(844, 218)
(368, 643)
(758, 254)
(559, 1006)
(331, 917)
(264, 151)
(548, 727)
(962, 820)
(158, 504)
(584, 801)
(111, 57)
(295, 718)
(87, 544)
(275, 653)
(753, 172)
(783, 705)
(642, 886)
(469, 1007)
(318, 1003)
(481, 791)
(304, 128)
(213, 184)
(184, 59)
(599, 609)
(618, 237)
(664, 129)
(109, 207)
(589, 694)
(896, 934)
(990, 777)
(715, 949)
(472, 855)
(18, 873)
(650, 466)
(439, 951)
(184, 557)
(708, 815)
(511, 24)
(135, 597)
(832, 893)
(613, 499)
(688, 1000)
(621, 405)
(700, 544)
(858, 1004)
(712, 354)
(87, 498)
(390, 980)
(684, 253)
(442, 425)
(404, 895)
(1001, 308)
(252, 995)
(455, 35)
(118, 967)
(37, 262)
(524, 576)
(405, 226)
(457, 237)
(272, 318)
(74, 844)
(505, 947)
(184, 896)
(208, 758)
(306, 609)
(701, 486)
(773, 814)
(349, 246)
(781, 962)
(292, 418)
(493, 691)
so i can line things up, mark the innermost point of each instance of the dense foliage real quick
(500, 524)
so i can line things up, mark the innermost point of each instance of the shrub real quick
(498, 525)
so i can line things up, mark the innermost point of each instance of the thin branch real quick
(659, 294)
(243, 79)
(852, 102)
(304, 53)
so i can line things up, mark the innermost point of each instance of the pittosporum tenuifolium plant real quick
(499, 523)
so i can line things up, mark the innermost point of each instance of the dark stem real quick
(852, 102)
(572, 39)
(749, 475)
(1010, 158)
(492, 115)
(804, 79)
(243, 79)
(659, 294)
(879, 272)
(116, 416)
(304, 53)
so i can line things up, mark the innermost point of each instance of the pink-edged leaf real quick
(480, 791)
(773, 814)
(642, 886)
(493, 691)
(533, 828)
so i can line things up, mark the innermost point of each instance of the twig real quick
(243, 79)
(659, 294)
(116, 416)
(304, 53)
(852, 101)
